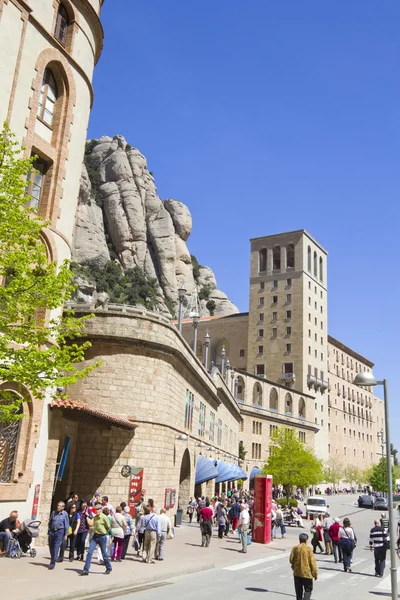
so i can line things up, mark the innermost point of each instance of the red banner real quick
(136, 490)
(262, 509)
(35, 504)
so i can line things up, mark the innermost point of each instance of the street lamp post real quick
(365, 379)
(196, 320)
(207, 348)
(181, 297)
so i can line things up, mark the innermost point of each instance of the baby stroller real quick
(21, 543)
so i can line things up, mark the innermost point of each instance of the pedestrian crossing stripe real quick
(254, 563)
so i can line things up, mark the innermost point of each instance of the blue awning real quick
(255, 471)
(205, 469)
(229, 472)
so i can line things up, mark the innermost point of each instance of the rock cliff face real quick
(120, 219)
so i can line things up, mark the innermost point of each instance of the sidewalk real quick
(29, 578)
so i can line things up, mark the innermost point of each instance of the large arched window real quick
(61, 28)
(240, 388)
(35, 183)
(257, 394)
(288, 404)
(315, 265)
(276, 258)
(309, 258)
(9, 433)
(290, 256)
(262, 260)
(302, 408)
(273, 400)
(321, 269)
(47, 98)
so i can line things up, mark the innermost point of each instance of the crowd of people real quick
(82, 526)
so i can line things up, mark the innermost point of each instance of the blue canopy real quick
(205, 469)
(229, 472)
(255, 471)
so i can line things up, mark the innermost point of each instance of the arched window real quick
(276, 258)
(288, 404)
(262, 260)
(48, 97)
(302, 408)
(309, 258)
(290, 256)
(9, 433)
(35, 183)
(273, 400)
(240, 388)
(257, 394)
(315, 265)
(60, 31)
(321, 269)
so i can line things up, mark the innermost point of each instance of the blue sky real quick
(265, 117)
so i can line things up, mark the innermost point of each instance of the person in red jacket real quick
(334, 535)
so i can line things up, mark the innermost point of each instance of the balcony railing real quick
(288, 376)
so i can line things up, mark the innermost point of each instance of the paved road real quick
(272, 574)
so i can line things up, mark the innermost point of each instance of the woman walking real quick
(118, 526)
(74, 522)
(206, 516)
(221, 520)
(130, 529)
(84, 525)
(348, 541)
(316, 533)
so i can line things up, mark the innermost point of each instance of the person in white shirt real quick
(165, 530)
(243, 524)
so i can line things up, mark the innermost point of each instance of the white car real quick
(315, 505)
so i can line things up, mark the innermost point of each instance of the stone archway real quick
(184, 479)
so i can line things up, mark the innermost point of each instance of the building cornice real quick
(282, 419)
(344, 348)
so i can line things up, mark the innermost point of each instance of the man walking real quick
(57, 532)
(101, 525)
(234, 514)
(165, 526)
(152, 533)
(279, 524)
(244, 520)
(378, 540)
(304, 568)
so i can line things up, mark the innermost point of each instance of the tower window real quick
(315, 264)
(290, 256)
(309, 258)
(60, 32)
(276, 258)
(47, 98)
(262, 258)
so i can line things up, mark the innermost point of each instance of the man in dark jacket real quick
(378, 542)
(58, 532)
(234, 514)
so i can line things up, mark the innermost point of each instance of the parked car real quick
(315, 506)
(365, 501)
(380, 503)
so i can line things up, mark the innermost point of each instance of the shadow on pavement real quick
(251, 589)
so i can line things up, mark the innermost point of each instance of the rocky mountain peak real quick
(128, 243)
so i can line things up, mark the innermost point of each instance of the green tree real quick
(36, 353)
(242, 451)
(353, 475)
(211, 306)
(292, 463)
(333, 471)
(378, 477)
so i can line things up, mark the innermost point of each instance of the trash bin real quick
(178, 517)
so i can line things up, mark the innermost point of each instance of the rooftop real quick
(285, 233)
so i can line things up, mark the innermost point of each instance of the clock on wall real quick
(125, 471)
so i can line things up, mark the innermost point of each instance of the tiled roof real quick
(67, 404)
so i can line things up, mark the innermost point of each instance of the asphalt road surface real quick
(272, 576)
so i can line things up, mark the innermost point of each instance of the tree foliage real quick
(132, 286)
(36, 353)
(354, 475)
(333, 471)
(378, 478)
(242, 451)
(292, 463)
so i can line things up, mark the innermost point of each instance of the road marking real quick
(265, 570)
(254, 563)
(385, 584)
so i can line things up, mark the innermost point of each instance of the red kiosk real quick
(262, 508)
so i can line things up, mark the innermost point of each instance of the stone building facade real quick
(48, 50)
(150, 405)
(283, 340)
